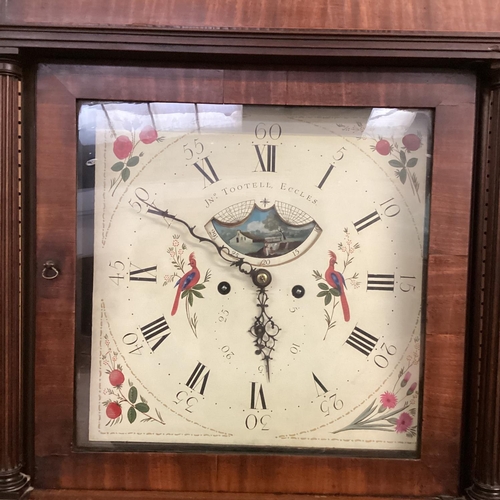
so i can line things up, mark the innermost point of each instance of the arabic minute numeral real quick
(196, 148)
(223, 314)
(130, 339)
(226, 350)
(330, 403)
(273, 132)
(381, 360)
(253, 422)
(407, 285)
(390, 210)
(119, 266)
(186, 401)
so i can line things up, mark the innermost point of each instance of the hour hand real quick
(264, 329)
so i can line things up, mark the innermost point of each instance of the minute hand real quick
(242, 265)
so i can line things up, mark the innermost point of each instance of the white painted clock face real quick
(186, 348)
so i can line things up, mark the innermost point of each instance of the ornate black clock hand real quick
(223, 251)
(264, 329)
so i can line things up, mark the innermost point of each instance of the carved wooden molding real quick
(485, 357)
(255, 41)
(13, 483)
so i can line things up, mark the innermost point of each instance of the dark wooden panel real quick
(451, 194)
(129, 471)
(426, 15)
(257, 86)
(322, 475)
(141, 84)
(437, 470)
(380, 88)
(240, 473)
(446, 300)
(56, 150)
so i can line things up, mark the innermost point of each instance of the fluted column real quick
(485, 393)
(13, 483)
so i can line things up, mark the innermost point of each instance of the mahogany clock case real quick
(450, 95)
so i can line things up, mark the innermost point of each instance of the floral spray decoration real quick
(119, 399)
(125, 148)
(401, 158)
(397, 408)
(186, 280)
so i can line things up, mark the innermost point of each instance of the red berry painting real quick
(383, 147)
(116, 378)
(122, 147)
(148, 134)
(113, 410)
(411, 142)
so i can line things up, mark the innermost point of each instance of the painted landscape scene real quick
(263, 234)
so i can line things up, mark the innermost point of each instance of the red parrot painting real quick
(189, 280)
(336, 281)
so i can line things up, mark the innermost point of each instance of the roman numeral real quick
(362, 341)
(270, 164)
(319, 386)
(206, 162)
(380, 282)
(257, 397)
(325, 177)
(199, 377)
(367, 221)
(152, 332)
(145, 274)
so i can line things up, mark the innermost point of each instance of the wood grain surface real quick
(157, 495)
(452, 96)
(480, 16)
(484, 404)
(12, 480)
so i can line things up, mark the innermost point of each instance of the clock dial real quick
(258, 276)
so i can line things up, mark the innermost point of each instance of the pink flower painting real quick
(404, 422)
(388, 399)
